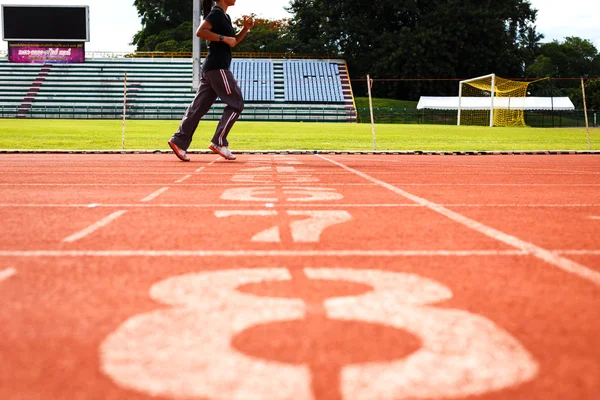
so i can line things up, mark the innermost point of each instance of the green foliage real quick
(416, 39)
(268, 36)
(592, 95)
(420, 40)
(163, 21)
(168, 31)
(573, 58)
(530, 45)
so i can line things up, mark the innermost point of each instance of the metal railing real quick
(546, 119)
(267, 113)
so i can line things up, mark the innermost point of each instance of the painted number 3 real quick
(186, 351)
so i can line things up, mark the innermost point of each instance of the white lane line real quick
(7, 273)
(259, 253)
(161, 184)
(154, 195)
(594, 217)
(541, 253)
(579, 252)
(208, 165)
(403, 170)
(94, 227)
(237, 205)
(183, 179)
(198, 170)
(502, 184)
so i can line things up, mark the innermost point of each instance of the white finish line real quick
(541, 253)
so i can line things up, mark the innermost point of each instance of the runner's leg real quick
(204, 99)
(230, 93)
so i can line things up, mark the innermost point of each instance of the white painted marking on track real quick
(186, 349)
(253, 179)
(250, 194)
(579, 252)
(298, 205)
(94, 227)
(183, 179)
(292, 194)
(260, 253)
(307, 194)
(457, 346)
(594, 217)
(257, 169)
(206, 184)
(7, 273)
(541, 253)
(194, 338)
(251, 213)
(299, 179)
(207, 165)
(271, 235)
(309, 230)
(154, 195)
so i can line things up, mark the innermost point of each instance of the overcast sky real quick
(114, 22)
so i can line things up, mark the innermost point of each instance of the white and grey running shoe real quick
(223, 151)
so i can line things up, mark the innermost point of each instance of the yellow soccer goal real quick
(491, 101)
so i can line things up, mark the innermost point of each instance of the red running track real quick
(299, 277)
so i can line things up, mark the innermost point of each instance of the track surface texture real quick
(299, 277)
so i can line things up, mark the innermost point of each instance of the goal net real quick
(491, 101)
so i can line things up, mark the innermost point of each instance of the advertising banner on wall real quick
(38, 52)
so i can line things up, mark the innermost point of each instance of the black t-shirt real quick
(219, 53)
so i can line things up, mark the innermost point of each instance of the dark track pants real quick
(218, 83)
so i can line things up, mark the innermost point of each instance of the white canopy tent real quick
(484, 103)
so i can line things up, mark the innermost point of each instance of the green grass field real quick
(363, 102)
(41, 134)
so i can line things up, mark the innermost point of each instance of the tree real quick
(530, 44)
(573, 58)
(268, 36)
(416, 39)
(167, 26)
(163, 21)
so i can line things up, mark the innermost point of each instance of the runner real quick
(216, 81)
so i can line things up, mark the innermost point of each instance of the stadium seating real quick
(255, 79)
(273, 89)
(312, 81)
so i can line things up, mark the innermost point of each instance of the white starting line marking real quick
(269, 205)
(541, 253)
(94, 227)
(154, 195)
(260, 253)
(7, 273)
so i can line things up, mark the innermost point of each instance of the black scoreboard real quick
(45, 23)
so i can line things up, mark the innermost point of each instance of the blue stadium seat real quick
(312, 81)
